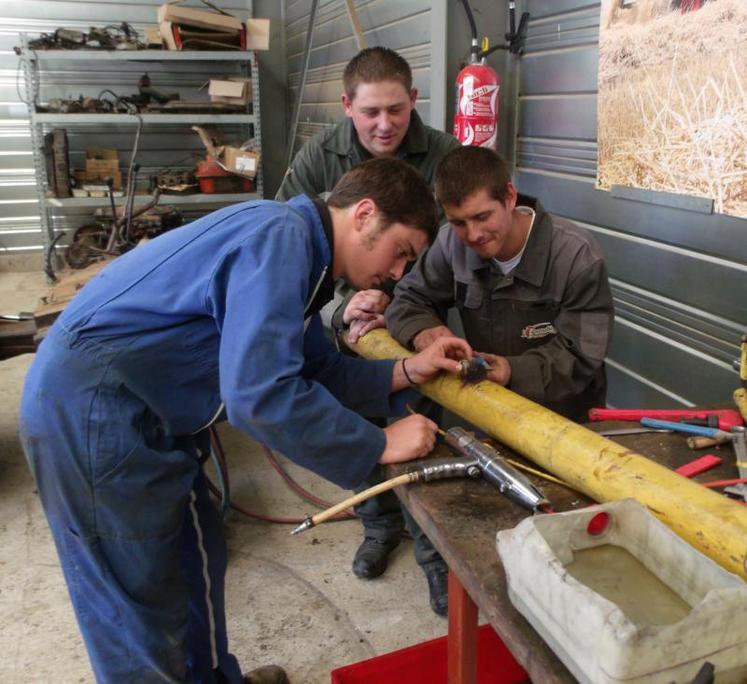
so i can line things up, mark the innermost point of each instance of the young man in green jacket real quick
(380, 121)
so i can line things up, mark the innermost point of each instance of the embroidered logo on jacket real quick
(534, 332)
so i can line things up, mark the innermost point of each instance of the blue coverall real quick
(139, 363)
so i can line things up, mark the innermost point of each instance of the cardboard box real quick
(230, 91)
(199, 18)
(258, 34)
(153, 37)
(166, 30)
(234, 159)
(241, 162)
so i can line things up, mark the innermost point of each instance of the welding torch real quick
(480, 460)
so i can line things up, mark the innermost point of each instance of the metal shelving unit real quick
(39, 121)
(199, 198)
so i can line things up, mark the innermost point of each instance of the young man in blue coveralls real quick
(218, 316)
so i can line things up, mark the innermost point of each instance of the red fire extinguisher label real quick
(476, 118)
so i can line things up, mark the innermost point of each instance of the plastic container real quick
(621, 598)
(426, 663)
(213, 178)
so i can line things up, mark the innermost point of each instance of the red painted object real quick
(699, 465)
(727, 418)
(214, 178)
(476, 115)
(426, 664)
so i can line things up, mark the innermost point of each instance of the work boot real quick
(269, 674)
(438, 588)
(372, 557)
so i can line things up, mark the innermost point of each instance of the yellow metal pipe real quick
(590, 463)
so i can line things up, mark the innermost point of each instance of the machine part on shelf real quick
(596, 466)
(494, 468)
(176, 182)
(112, 37)
(148, 91)
(213, 178)
(57, 158)
(474, 370)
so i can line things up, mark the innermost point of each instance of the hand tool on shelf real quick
(727, 418)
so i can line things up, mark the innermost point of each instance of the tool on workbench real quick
(699, 465)
(740, 395)
(726, 417)
(480, 460)
(615, 432)
(737, 436)
(705, 442)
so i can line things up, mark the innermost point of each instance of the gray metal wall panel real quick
(679, 277)
(160, 146)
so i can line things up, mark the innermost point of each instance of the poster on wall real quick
(672, 103)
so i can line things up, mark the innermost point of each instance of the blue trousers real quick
(140, 543)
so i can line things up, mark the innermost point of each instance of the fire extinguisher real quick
(478, 85)
(476, 113)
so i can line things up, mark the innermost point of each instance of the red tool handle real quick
(727, 418)
(699, 465)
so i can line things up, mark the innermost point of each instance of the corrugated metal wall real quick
(679, 277)
(408, 27)
(160, 145)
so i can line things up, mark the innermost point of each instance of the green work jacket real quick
(323, 160)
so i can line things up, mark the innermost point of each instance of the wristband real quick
(407, 375)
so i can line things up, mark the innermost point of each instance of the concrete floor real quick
(291, 601)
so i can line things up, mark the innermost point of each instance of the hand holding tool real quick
(480, 460)
(727, 418)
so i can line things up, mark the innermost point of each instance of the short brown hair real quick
(467, 170)
(374, 65)
(400, 193)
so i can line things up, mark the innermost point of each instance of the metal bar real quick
(462, 640)
(360, 39)
(31, 83)
(52, 118)
(145, 55)
(302, 80)
(259, 184)
(592, 464)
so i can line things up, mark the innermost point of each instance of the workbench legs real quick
(462, 638)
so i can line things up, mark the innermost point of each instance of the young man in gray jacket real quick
(380, 121)
(531, 290)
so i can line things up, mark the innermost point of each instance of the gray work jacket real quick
(323, 160)
(551, 317)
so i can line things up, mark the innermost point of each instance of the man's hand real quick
(409, 438)
(500, 369)
(428, 336)
(365, 312)
(442, 355)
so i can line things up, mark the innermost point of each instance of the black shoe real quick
(438, 588)
(372, 557)
(269, 674)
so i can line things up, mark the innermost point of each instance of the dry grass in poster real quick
(673, 100)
